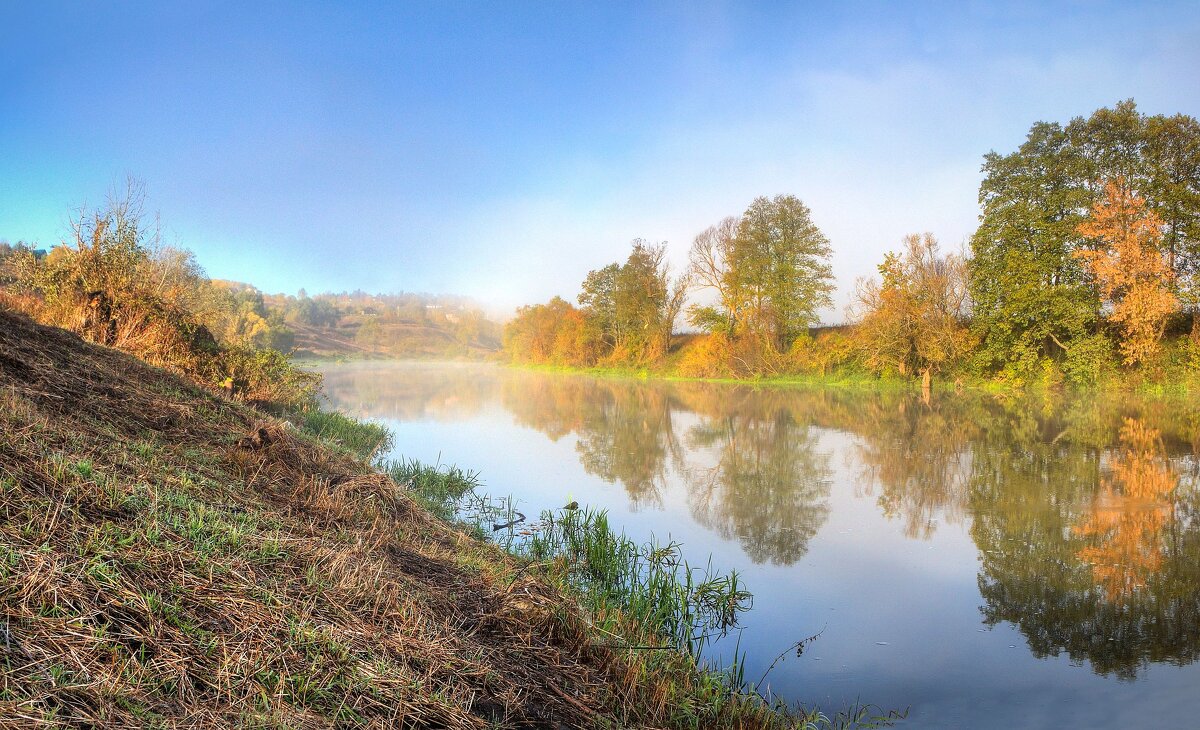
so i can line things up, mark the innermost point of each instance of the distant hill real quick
(389, 325)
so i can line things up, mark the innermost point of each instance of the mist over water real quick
(986, 562)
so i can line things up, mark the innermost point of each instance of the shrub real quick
(1088, 358)
(115, 285)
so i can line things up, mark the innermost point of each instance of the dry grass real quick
(172, 559)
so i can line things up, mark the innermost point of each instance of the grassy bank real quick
(172, 558)
(1180, 382)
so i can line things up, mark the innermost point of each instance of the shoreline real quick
(214, 533)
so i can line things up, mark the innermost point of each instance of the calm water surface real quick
(986, 563)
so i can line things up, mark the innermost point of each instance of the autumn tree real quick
(1032, 298)
(1124, 530)
(913, 319)
(555, 332)
(634, 305)
(1130, 269)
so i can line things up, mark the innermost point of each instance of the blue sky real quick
(504, 149)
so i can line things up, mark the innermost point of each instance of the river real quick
(985, 562)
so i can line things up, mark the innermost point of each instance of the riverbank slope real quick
(171, 558)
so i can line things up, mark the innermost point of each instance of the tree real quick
(598, 297)
(1130, 270)
(1032, 298)
(634, 305)
(640, 297)
(708, 267)
(1173, 150)
(778, 267)
(914, 319)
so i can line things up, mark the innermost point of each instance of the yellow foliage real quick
(707, 357)
(1130, 270)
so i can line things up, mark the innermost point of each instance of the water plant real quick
(650, 583)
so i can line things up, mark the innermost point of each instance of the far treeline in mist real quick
(1085, 267)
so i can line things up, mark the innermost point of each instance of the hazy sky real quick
(503, 149)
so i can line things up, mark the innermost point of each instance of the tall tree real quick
(598, 297)
(634, 305)
(1032, 296)
(1173, 150)
(779, 268)
(708, 267)
(1130, 270)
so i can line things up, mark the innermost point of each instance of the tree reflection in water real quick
(1125, 530)
(1085, 513)
(1091, 551)
(1088, 549)
(769, 488)
(919, 458)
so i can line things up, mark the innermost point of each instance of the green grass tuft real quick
(364, 439)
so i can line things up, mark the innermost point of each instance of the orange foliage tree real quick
(914, 319)
(1130, 269)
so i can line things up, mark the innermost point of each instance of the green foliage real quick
(1089, 358)
(439, 489)
(631, 306)
(778, 265)
(269, 376)
(1031, 296)
(652, 582)
(770, 269)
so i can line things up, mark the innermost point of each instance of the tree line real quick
(1086, 263)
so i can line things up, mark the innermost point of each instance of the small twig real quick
(510, 523)
(798, 646)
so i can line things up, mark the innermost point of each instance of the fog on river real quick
(983, 561)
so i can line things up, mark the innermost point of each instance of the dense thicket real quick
(1086, 261)
(626, 315)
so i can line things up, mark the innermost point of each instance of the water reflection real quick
(1091, 551)
(769, 487)
(1126, 526)
(918, 457)
(1085, 516)
(624, 434)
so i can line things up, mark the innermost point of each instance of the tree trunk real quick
(926, 383)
